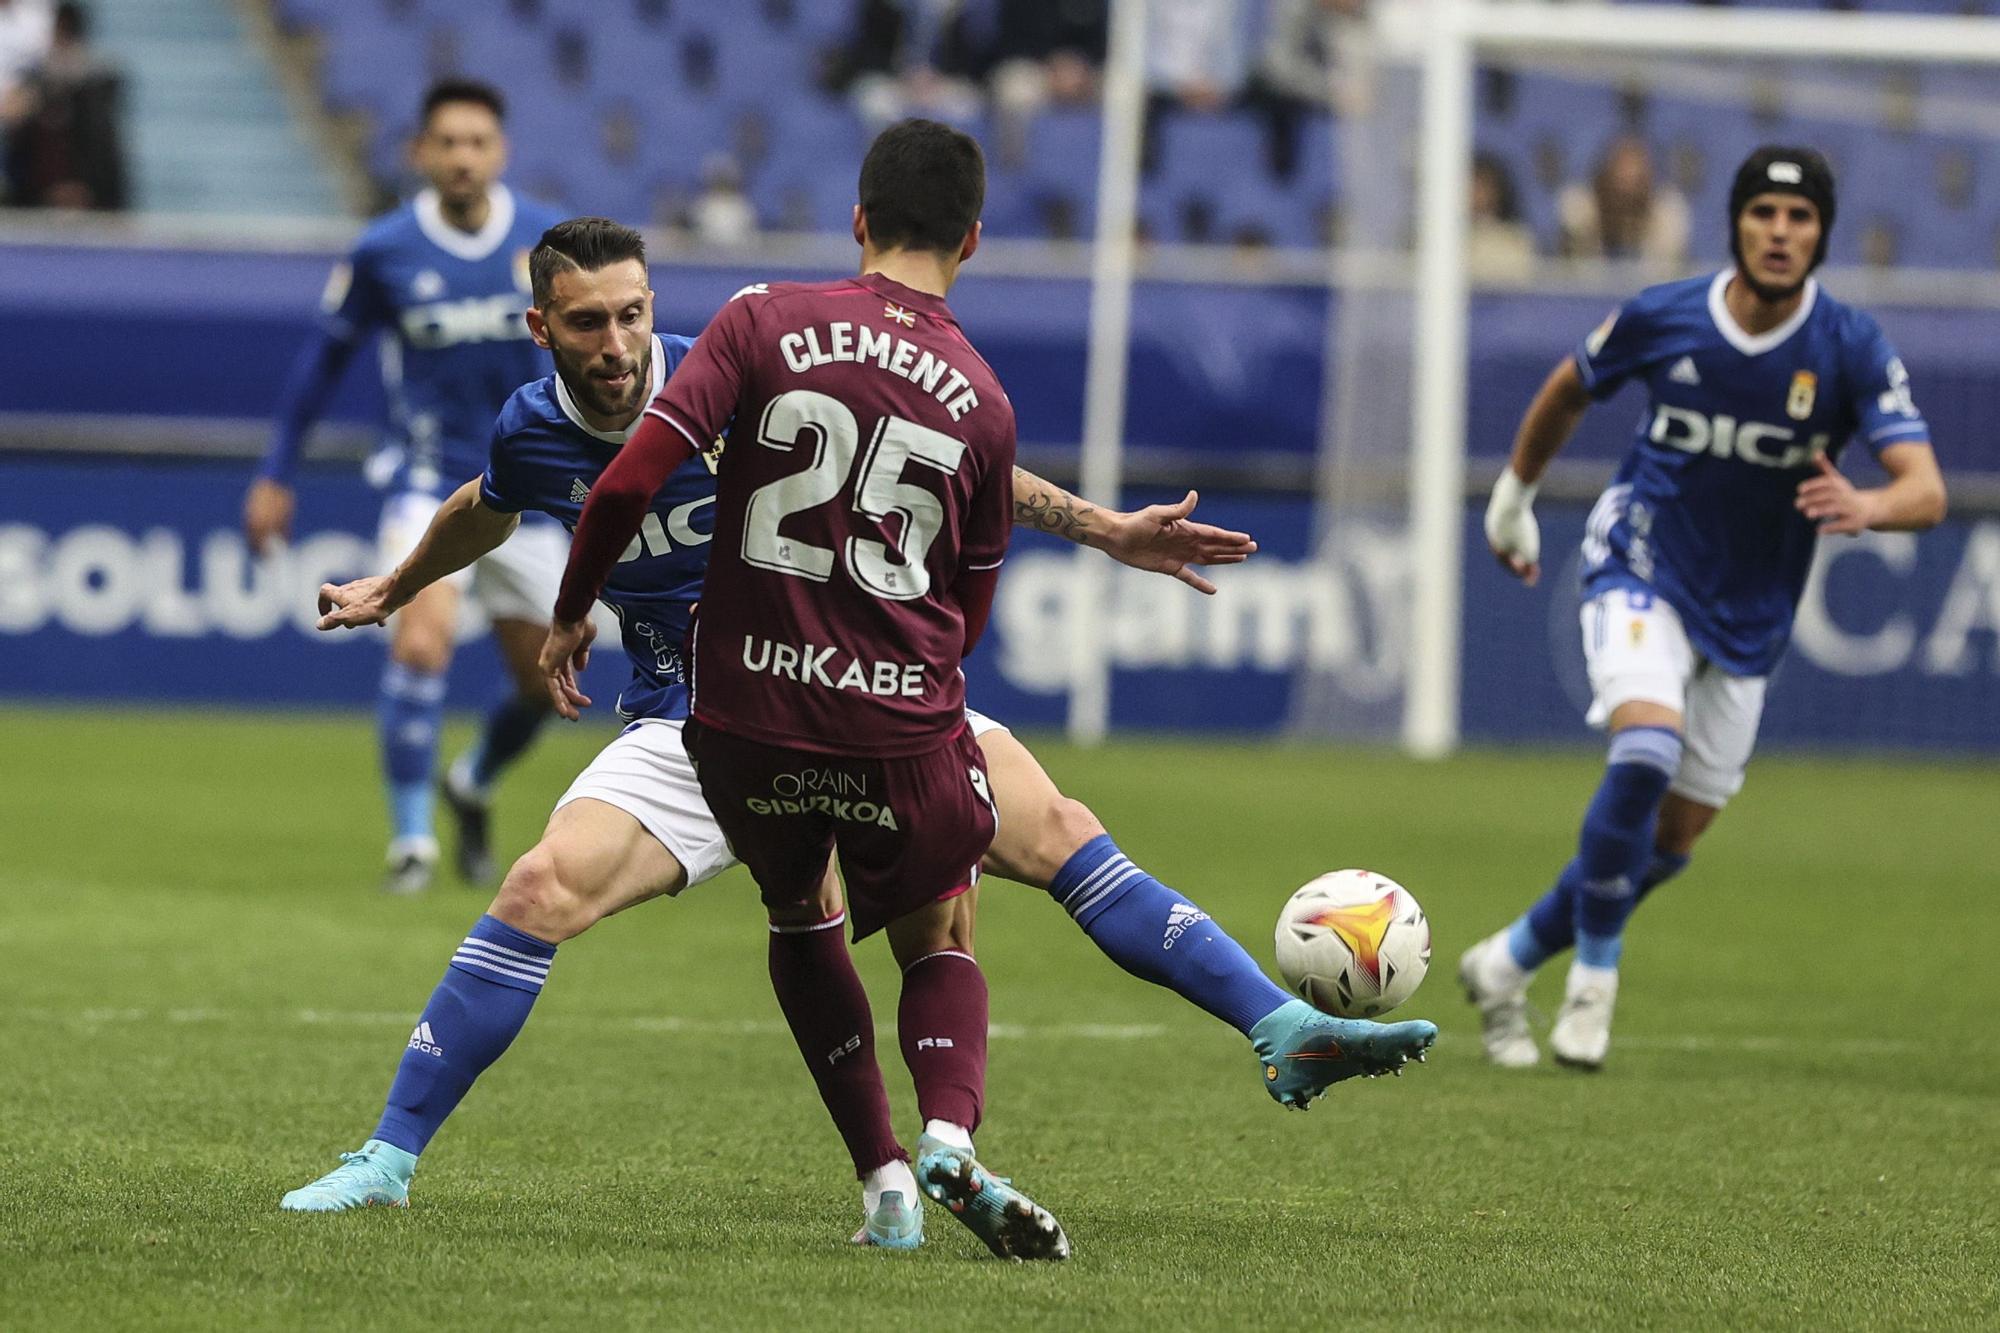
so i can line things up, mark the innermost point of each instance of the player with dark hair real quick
(860, 525)
(634, 826)
(439, 285)
(1694, 560)
(827, 709)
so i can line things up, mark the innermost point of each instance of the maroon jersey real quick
(864, 499)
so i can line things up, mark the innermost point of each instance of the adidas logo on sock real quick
(1684, 372)
(578, 492)
(1179, 917)
(421, 1040)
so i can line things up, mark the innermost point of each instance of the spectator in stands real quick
(910, 57)
(63, 139)
(722, 214)
(1881, 243)
(1042, 53)
(1498, 244)
(1194, 61)
(26, 32)
(1625, 212)
(1312, 63)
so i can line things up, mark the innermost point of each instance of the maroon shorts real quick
(908, 832)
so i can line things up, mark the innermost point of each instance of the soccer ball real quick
(1353, 943)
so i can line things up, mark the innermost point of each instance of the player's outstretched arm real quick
(463, 529)
(1511, 530)
(1913, 500)
(1158, 538)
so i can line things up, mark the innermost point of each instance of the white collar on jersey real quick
(1755, 344)
(460, 244)
(658, 381)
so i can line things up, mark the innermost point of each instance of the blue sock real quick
(471, 1018)
(1546, 929)
(1159, 936)
(1549, 927)
(1616, 844)
(510, 728)
(407, 718)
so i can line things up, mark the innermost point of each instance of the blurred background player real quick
(1694, 560)
(441, 283)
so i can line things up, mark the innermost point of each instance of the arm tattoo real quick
(1046, 507)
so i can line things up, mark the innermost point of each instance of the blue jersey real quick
(1701, 511)
(445, 310)
(545, 458)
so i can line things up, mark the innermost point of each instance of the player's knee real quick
(536, 898)
(1070, 825)
(1682, 822)
(426, 650)
(1034, 853)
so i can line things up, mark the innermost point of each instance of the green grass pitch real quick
(202, 997)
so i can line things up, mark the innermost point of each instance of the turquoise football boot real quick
(1010, 1224)
(378, 1175)
(1304, 1052)
(895, 1224)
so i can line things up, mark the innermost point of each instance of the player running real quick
(633, 826)
(439, 283)
(1694, 560)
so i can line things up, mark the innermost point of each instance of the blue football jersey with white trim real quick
(446, 306)
(1701, 511)
(544, 457)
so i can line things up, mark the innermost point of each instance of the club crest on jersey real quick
(907, 318)
(427, 285)
(1799, 402)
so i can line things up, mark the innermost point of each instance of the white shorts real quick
(517, 580)
(1638, 651)
(646, 773)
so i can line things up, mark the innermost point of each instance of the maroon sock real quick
(942, 1022)
(824, 1002)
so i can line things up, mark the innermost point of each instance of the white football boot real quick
(410, 864)
(1499, 987)
(1582, 1034)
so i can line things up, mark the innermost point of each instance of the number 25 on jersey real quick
(881, 492)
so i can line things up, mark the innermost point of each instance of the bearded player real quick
(633, 826)
(860, 523)
(1694, 559)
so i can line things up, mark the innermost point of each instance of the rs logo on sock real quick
(938, 1043)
